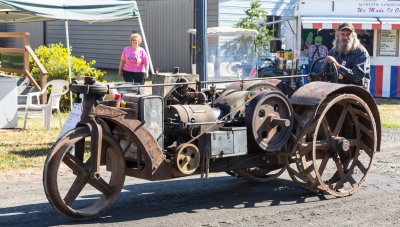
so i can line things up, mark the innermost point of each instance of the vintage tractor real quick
(324, 134)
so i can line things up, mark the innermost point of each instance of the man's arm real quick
(359, 70)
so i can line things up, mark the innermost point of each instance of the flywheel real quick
(269, 118)
(187, 158)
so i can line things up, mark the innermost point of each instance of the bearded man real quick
(350, 57)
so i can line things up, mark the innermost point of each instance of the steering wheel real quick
(323, 74)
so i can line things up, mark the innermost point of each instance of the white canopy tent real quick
(19, 11)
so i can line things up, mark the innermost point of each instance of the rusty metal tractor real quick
(324, 134)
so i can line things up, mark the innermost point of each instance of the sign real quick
(253, 72)
(354, 9)
(73, 118)
(388, 43)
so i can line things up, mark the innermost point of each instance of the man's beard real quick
(344, 49)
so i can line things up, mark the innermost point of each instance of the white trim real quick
(367, 26)
(386, 27)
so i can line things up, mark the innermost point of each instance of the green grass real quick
(20, 149)
(389, 110)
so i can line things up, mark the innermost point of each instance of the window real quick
(387, 44)
(366, 38)
(276, 27)
(308, 36)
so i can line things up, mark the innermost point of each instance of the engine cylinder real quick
(182, 119)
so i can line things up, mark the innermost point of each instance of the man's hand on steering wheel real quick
(330, 59)
(323, 75)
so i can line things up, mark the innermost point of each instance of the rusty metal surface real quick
(60, 159)
(313, 94)
(324, 128)
(334, 153)
(156, 166)
(183, 118)
(233, 102)
(261, 85)
(269, 121)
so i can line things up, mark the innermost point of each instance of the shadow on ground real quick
(159, 199)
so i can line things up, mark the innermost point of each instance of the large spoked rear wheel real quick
(334, 154)
(72, 187)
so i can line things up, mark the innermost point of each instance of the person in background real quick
(350, 57)
(318, 50)
(365, 40)
(134, 66)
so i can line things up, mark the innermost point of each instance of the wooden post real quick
(26, 54)
(43, 79)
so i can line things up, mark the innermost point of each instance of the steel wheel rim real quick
(110, 193)
(259, 174)
(345, 161)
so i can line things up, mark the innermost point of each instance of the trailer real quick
(377, 25)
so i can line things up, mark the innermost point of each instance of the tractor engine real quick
(240, 121)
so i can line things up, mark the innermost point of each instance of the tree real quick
(256, 19)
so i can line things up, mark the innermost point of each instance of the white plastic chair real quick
(57, 90)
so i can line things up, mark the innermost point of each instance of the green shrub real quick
(54, 58)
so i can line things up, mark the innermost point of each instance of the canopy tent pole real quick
(145, 43)
(69, 59)
(201, 39)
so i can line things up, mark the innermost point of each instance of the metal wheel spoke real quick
(305, 149)
(340, 121)
(102, 186)
(366, 130)
(76, 188)
(323, 164)
(326, 128)
(322, 144)
(76, 165)
(361, 167)
(367, 150)
(351, 180)
(297, 174)
(88, 162)
(339, 167)
(309, 169)
(354, 142)
(337, 185)
(299, 119)
(360, 113)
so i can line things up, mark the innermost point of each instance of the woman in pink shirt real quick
(134, 66)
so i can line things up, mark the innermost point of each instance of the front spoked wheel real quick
(72, 187)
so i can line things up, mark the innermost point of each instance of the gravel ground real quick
(390, 135)
(221, 201)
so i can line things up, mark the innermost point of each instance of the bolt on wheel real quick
(71, 186)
